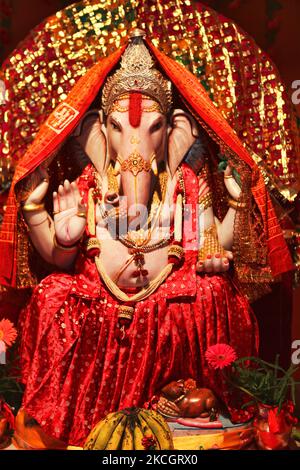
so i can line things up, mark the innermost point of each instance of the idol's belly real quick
(124, 269)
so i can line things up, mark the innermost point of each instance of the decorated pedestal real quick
(230, 437)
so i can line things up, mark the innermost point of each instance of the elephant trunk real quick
(136, 190)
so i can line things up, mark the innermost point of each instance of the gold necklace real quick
(137, 241)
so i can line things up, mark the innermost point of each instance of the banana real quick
(107, 430)
(116, 438)
(147, 431)
(159, 428)
(128, 443)
(93, 436)
(160, 419)
(138, 437)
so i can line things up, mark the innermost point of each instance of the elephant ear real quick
(91, 135)
(182, 134)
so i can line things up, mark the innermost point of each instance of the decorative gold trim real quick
(135, 163)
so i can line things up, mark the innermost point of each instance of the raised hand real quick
(69, 214)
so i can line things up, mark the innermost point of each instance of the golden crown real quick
(137, 73)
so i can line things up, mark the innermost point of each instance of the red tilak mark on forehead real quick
(135, 109)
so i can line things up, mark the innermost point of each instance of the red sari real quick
(76, 370)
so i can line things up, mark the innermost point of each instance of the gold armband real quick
(33, 207)
(236, 205)
(211, 244)
(206, 200)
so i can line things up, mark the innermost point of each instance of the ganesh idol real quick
(143, 252)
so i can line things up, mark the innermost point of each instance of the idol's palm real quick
(69, 227)
(69, 219)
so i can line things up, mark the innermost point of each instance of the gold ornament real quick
(33, 207)
(211, 245)
(125, 312)
(206, 200)
(124, 109)
(236, 205)
(135, 163)
(176, 250)
(137, 74)
(92, 243)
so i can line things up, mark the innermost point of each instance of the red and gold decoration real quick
(85, 308)
(236, 73)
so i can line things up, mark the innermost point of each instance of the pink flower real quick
(220, 356)
(8, 333)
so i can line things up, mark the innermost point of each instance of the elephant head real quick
(136, 149)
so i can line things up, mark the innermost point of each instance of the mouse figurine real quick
(183, 399)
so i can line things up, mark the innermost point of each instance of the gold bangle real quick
(70, 249)
(236, 205)
(228, 177)
(81, 214)
(55, 212)
(32, 207)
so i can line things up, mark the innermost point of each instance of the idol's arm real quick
(42, 235)
(226, 228)
(216, 238)
(56, 241)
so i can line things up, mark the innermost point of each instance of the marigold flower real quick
(220, 356)
(8, 333)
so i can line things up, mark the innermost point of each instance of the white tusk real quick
(117, 168)
(154, 165)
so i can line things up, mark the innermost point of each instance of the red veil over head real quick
(259, 247)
